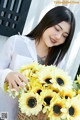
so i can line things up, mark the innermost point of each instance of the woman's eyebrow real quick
(62, 29)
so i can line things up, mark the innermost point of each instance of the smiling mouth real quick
(52, 40)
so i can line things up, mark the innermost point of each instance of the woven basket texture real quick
(40, 116)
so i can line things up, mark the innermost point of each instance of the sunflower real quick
(30, 103)
(72, 111)
(61, 80)
(6, 86)
(45, 76)
(34, 82)
(37, 89)
(47, 95)
(31, 70)
(51, 68)
(67, 93)
(78, 91)
(26, 73)
(28, 67)
(13, 93)
(76, 84)
(78, 79)
(55, 112)
(50, 86)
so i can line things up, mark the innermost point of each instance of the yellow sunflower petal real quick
(73, 108)
(61, 80)
(55, 112)
(30, 103)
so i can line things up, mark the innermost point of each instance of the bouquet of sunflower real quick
(50, 95)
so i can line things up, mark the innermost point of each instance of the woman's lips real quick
(53, 41)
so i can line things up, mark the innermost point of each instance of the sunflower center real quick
(39, 91)
(56, 109)
(66, 97)
(48, 80)
(71, 111)
(48, 99)
(32, 102)
(34, 71)
(60, 81)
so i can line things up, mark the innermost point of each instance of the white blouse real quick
(18, 51)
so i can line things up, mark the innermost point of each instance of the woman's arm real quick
(5, 59)
(6, 74)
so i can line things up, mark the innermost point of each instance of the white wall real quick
(2, 41)
(35, 13)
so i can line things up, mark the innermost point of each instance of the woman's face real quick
(56, 35)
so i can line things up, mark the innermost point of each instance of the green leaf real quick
(75, 86)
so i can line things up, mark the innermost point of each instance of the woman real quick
(46, 44)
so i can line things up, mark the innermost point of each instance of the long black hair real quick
(51, 18)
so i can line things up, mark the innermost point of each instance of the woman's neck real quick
(41, 48)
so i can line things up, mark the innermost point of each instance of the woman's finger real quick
(18, 82)
(10, 85)
(14, 84)
(23, 78)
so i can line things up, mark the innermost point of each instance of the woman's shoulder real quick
(18, 39)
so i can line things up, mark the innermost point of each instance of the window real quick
(13, 14)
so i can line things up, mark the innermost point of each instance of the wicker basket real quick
(40, 116)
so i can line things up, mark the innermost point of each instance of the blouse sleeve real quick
(5, 59)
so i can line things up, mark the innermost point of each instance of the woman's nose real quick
(58, 36)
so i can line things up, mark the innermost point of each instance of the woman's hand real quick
(15, 80)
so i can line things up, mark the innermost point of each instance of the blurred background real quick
(21, 16)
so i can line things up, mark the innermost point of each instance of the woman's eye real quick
(64, 36)
(56, 29)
